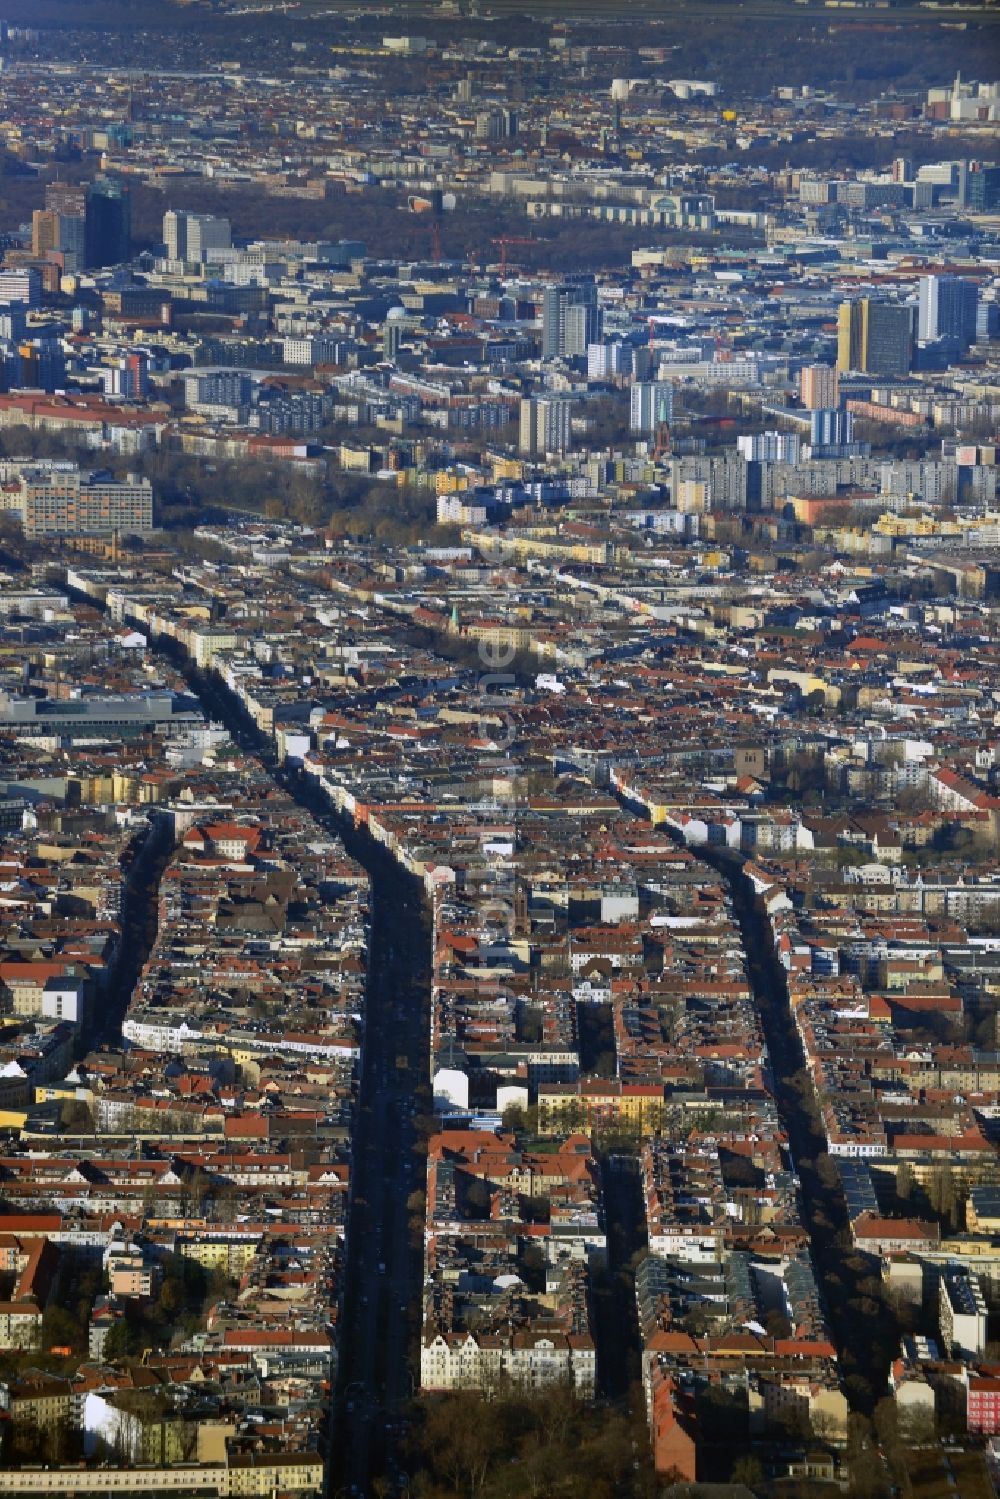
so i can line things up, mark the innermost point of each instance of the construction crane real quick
(503, 242)
(434, 209)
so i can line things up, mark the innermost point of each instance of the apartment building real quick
(66, 502)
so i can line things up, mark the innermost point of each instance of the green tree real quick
(61, 1329)
(121, 1342)
(747, 1470)
(465, 1435)
(943, 1195)
(171, 1300)
(867, 1475)
(76, 1118)
(28, 1443)
(477, 1198)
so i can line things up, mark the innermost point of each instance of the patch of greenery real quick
(548, 1445)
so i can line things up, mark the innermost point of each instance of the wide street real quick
(382, 1283)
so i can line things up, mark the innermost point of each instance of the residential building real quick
(874, 338)
(193, 236)
(962, 1313)
(770, 447)
(819, 386)
(23, 285)
(571, 319)
(544, 425)
(947, 308)
(652, 405)
(70, 503)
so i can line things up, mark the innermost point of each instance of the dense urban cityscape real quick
(500, 749)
